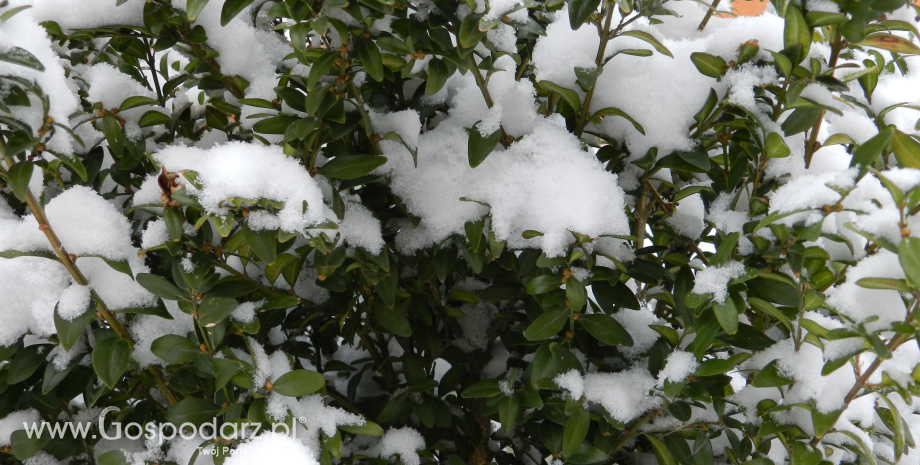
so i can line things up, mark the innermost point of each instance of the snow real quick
(403, 442)
(540, 178)
(147, 328)
(714, 280)
(625, 395)
(687, 219)
(520, 184)
(573, 382)
(14, 421)
(272, 448)
(85, 223)
(249, 171)
(678, 367)
(29, 289)
(859, 303)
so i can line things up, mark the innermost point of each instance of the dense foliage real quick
(464, 232)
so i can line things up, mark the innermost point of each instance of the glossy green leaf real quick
(110, 359)
(606, 329)
(547, 325)
(351, 166)
(19, 176)
(298, 383)
(479, 146)
(708, 65)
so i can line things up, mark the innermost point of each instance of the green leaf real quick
(580, 11)
(19, 176)
(369, 55)
(776, 147)
(899, 285)
(800, 120)
(482, 389)
(153, 118)
(438, 72)
(114, 134)
(23, 447)
(547, 325)
(650, 39)
(53, 377)
(906, 149)
(193, 8)
(480, 147)
(543, 284)
(136, 101)
(369, 428)
(224, 370)
(909, 257)
(232, 8)
(24, 363)
(570, 96)
(823, 422)
(586, 77)
(509, 409)
(113, 457)
(351, 166)
(770, 376)
(263, 243)
(708, 65)
(606, 329)
(174, 349)
(766, 307)
(586, 455)
(393, 320)
(661, 451)
(470, 35)
(727, 315)
(725, 250)
(69, 331)
(194, 410)
(797, 31)
(22, 57)
(298, 383)
(892, 43)
(160, 286)
(274, 124)
(575, 293)
(611, 111)
(213, 310)
(866, 153)
(12, 12)
(576, 430)
(110, 359)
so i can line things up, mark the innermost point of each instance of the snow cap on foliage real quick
(625, 395)
(543, 182)
(678, 367)
(248, 171)
(714, 280)
(272, 448)
(404, 442)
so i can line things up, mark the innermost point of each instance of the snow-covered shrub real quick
(460, 232)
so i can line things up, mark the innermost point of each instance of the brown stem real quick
(641, 216)
(631, 432)
(78, 276)
(369, 128)
(480, 454)
(893, 344)
(812, 145)
(474, 68)
(66, 260)
(598, 61)
(712, 9)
